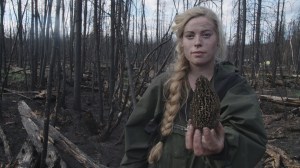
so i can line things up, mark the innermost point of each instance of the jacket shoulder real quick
(228, 67)
(160, 79)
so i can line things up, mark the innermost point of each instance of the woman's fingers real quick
(189, 137)
(197, 143)
(205, 142)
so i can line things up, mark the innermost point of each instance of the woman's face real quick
(200, 41)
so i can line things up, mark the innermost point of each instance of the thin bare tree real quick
(297, 46)
(97, 57)
(46, 42)
(112, 50)
(276, 45)
(34, 60)
(54, 52)
(238, 30)
(157, 21)
(64, 55)
(126, 23)
(257, 37)
(84, 38)
(20, 38)
(32, 38)
(2, 48)
(77, 52)
(71, 42)
(282, 40)
(244, 21)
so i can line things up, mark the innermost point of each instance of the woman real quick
(238, 141)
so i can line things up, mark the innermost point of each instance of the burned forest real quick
(73, 71)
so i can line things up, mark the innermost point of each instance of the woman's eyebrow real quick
(189, 31)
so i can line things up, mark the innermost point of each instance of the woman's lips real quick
(198, 52)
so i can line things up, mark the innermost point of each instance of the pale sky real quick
(291, 6)
(270, 6)
(291, 12)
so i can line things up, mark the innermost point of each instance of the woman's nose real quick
(198, 41)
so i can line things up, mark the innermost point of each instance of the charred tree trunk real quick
(97, 58)
(34, 60)
(238, 29)
(64, 50)
(119, 59)
(143, 34)
(72, 34)
(242, 56)
(32, 38)
(112, 51)
(281, 40)
(77, 76)
(54, 53)
(83, 55)
(20, 27)
(126, 23)
(298, 52)
(257, 37)
(276, 45)
(45, 54)
(2, 48)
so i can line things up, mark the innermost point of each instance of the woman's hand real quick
(210, 141)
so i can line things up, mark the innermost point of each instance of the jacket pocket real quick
(174, 152)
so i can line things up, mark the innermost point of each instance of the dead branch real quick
(41, 95)
(17, 93)
(295, 102)
(20, 92)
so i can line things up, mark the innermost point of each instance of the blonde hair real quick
(176, 86)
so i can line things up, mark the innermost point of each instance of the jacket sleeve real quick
(137, 141)
(245, 136)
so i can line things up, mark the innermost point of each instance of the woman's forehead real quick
(200, 23)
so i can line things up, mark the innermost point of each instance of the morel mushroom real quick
(205, 105)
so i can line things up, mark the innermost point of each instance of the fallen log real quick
(27, 157)
(69, 152)
(35, 136)
(295, 102)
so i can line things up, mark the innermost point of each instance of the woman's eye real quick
(189, 36)
(206, 35)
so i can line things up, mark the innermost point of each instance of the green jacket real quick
(245, 136)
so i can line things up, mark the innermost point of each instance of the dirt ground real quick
(282, 133)
(75, 128)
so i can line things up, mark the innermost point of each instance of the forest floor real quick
(77, 128)
(283, 133)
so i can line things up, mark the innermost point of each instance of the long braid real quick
(176, 85)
